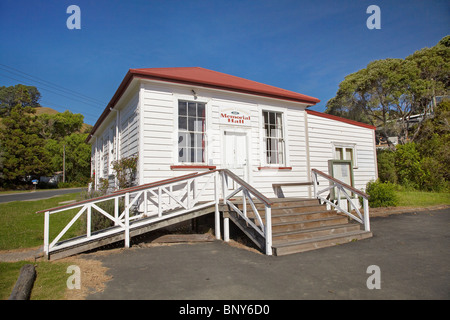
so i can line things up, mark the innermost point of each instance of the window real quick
(273, 138)
(191, 132)
(345, 152)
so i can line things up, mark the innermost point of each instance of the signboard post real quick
(35, 182)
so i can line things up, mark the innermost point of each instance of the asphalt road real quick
(411, 252)
(30, 195)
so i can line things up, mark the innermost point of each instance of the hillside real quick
(47, 110)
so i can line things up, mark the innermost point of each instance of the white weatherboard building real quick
(186, 120)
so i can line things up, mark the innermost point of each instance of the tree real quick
(22, 150)
(25, 96)
(77, 156)
(59, 125)
(388, 92)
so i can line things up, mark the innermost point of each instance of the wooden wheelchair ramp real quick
(113, 235)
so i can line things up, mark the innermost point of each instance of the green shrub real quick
(386, 166)
(434, 179)
(382, 194)
(408, 166)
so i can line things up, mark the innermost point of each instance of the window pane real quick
(182, 110)
(182, 141)
(192, 110)
(199, 140)
(191, 121)
(198, 125)
(182, 123)
(339, 155)
(349, 154)
(191, 140)
(199, 155)
(201, 110)
(182, 155)
(278, 119)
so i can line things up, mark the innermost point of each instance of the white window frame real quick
(285, 161)
(176, 131)
(344, 146)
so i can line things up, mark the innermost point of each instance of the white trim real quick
(346, 145)
(208, 124)
(283, 111)
(308, 155)
(140, 107)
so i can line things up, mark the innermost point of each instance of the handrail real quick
(265, 230)
(123, 191)
(255, 192)
(354, 190)
(168, 198)
(341, 188)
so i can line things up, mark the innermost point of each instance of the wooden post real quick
(224, 192)
(88, 222)
(315, 182)
(216, 205)
(46, 233)
(268, 231)
(127, 220)
(226, 229)
(366, 214)
(159, 202)
(116, 210)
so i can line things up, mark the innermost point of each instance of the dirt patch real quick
(94, 277)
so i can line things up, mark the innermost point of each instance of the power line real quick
(48, 83)
(55, 105)
(60, 94)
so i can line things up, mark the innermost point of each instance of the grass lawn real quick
(22, 227)
(50, 282)
(422, 198)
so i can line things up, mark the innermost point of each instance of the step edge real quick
(365, 234)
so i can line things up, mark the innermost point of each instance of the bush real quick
(386, 166)
(434, 179)
(382, 194)
(408, 166)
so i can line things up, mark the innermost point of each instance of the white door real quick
(235, 153)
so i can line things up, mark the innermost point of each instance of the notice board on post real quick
(341, 170)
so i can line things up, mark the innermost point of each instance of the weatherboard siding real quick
(324, 132)
(149, 127)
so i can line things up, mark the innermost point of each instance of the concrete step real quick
(319, 242)
(282, 237)
(306, 224)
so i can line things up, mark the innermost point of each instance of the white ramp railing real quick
(342, 190)
(142, 205)
(247, 193)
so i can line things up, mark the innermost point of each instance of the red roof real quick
(204, 78)
(333, 117)
(213, 79)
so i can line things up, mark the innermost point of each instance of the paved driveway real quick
(37, 195)
(412, 252)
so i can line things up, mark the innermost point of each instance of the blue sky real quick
(303, 46)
